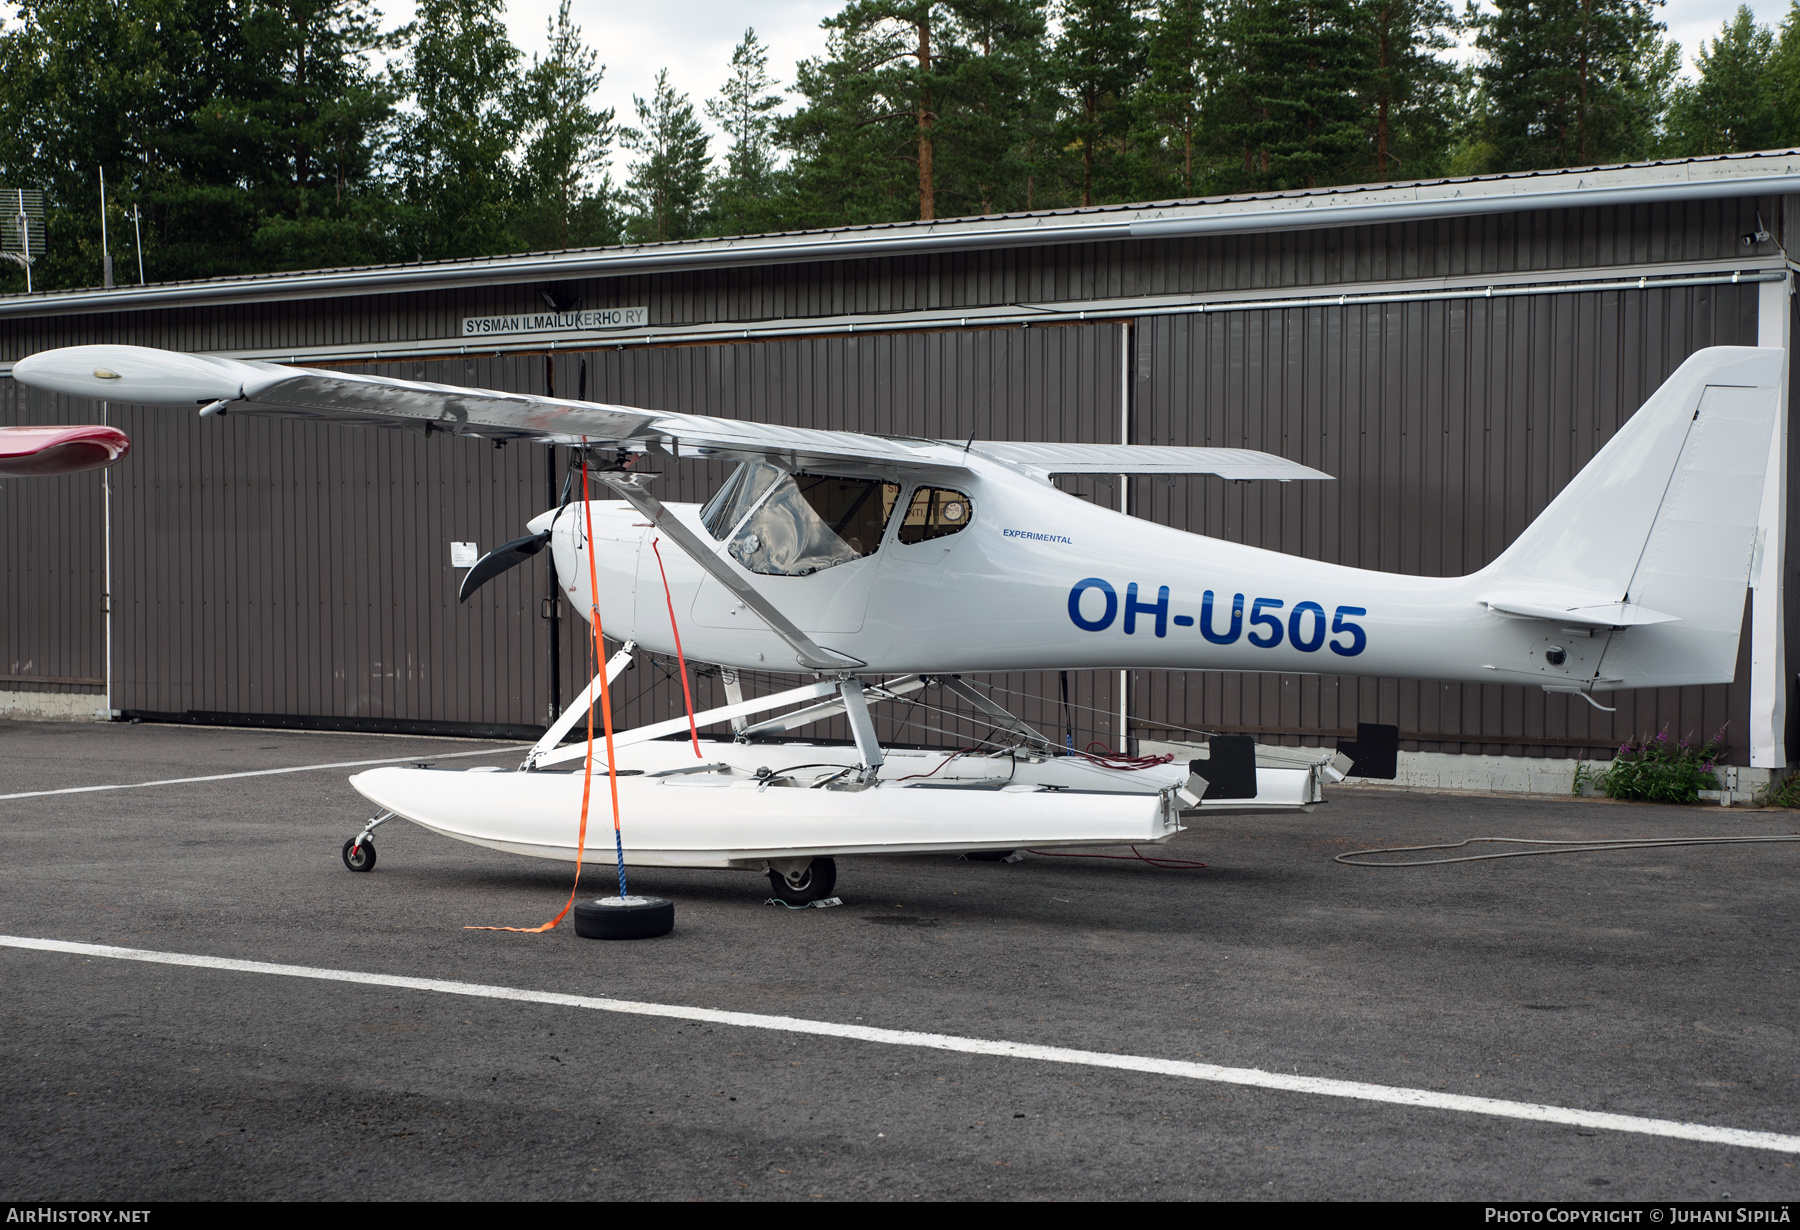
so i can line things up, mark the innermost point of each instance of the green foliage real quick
(1783, 793)
(1411, 91)
(244, 131)
(1565, 79)
(256, 135)
(1658, 769)
(1099, 62)
(667, 188)
(1732, 106)
(1173, 101)
(451, 153)
(564, 198)
(1784, 78)
(742, 195)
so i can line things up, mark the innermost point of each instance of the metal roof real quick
(1731, 175)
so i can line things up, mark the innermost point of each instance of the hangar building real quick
(1452, 351)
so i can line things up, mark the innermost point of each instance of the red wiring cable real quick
(686, 694)
(1168, 864)
(1107, 758)
(952, 756)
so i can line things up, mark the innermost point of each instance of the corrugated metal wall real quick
(299, 571)
(52, 572)
(1495, 244)
(284, 568)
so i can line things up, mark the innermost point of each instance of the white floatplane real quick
(888, 567)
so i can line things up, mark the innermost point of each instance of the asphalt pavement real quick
(1656, 983)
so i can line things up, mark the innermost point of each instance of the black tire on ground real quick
(987, 856)
(627, 918)
(816, 883)
(363, 858)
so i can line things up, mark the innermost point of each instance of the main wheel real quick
(624, 918)
(359, 857)
(814, 883)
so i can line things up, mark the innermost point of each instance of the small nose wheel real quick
(359, 854)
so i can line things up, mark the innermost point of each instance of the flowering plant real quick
(1659, 769)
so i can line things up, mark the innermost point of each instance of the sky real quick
(693, 39)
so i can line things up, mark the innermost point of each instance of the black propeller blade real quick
(498, 560)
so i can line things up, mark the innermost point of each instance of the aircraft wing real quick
(139, 375)
(1236, 463)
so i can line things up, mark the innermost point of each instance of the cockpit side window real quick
(798, 524)
(738, 496)
(935, 512)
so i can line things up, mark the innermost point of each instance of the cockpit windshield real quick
(791, 525)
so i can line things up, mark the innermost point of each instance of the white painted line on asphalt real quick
(304, 768)
(1428, 1099)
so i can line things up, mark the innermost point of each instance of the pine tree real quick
(1732, 106)
(1784, 80)
(743, 194)
(1409, 87)
(1100, 61)
(1293, 83)
(865, 140)
(921, 107)
(1561, 76)
(311, 113)
(1178, 57)
(565, 197)
(996, 106)
(452, 152)
(87, 85)
(667, 188)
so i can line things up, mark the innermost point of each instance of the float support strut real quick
(862, 726)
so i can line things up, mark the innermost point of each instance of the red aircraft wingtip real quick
(32, 452)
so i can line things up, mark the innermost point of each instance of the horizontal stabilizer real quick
(1576, 613)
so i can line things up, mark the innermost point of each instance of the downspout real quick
(1122, 744)
(1768, 649)
(106, 595)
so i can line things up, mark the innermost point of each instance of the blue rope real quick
(619, 846)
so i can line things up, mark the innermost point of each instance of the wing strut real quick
(808, 652)
(574, 713)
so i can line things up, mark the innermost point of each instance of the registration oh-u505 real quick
(1095, 606)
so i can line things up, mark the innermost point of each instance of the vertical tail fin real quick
(1660, 528)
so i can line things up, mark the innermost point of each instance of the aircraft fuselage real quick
(1041, 580)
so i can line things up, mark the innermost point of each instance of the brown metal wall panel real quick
(287, 568)
(294, 569)
(1498, 244)
(1449, 427)
(52, 564)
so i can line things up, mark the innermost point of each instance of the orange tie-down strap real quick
(598, 658)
